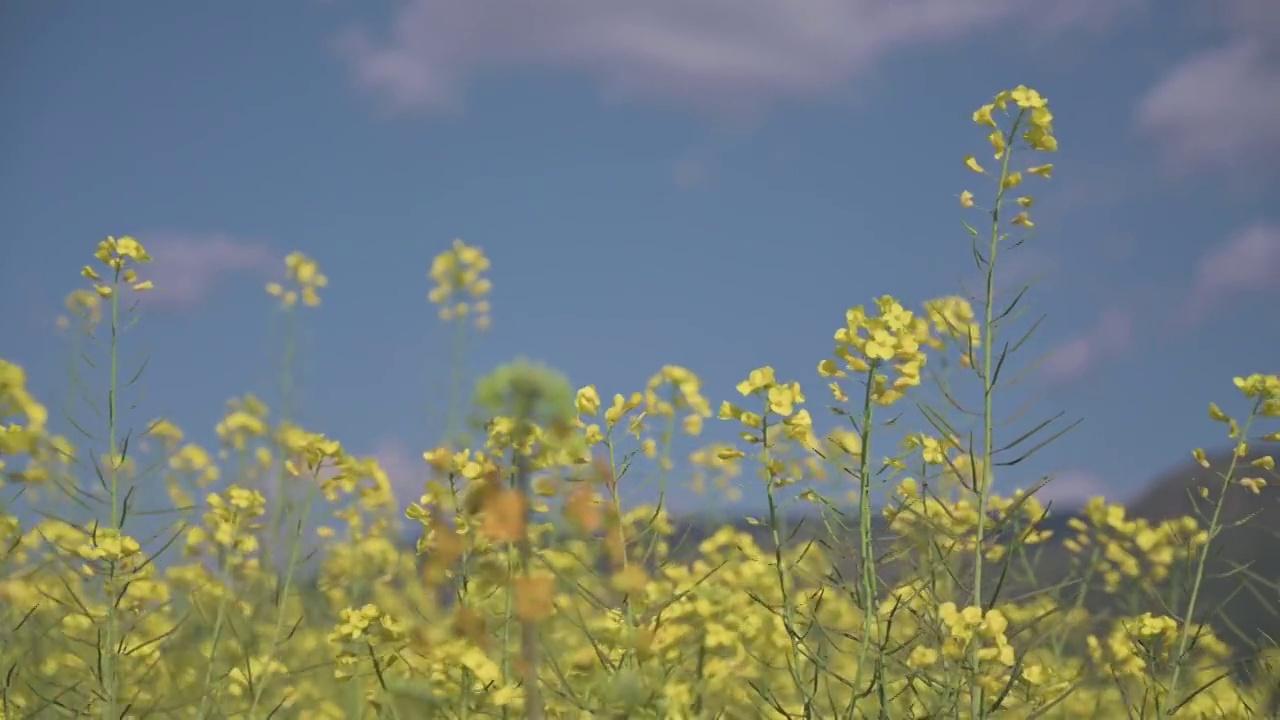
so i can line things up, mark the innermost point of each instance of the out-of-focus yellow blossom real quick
(303, 280)
(460, 288)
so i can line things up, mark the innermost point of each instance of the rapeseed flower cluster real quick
(230, 525)
(365, 633)
(1123, 551)
(121, 258)
(460, 286)
(83, 304)
(23, 425)
(303, 281)
(868, 342)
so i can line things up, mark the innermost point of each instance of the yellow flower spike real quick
(464, 253)
(781, 399)
(972, 163)
(303, 282)
(1215, 413)
(847, 441)
(922, 657)
(129, 247)
(997, 143)
(758, 379)
(588, 400)
(1253, 484)
(1027, 98)
(982, 116)
(457, 273)
(829, 368)
(1042, 119)
(1041, 140)
(692, 425)
(1199, 455)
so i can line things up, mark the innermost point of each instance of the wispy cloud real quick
(1217, 110)
(187, 266)
(717, 55)
(690, 172)
(1248, 261)
(1072, 488)
(1073, 359)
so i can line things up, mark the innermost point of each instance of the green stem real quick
(534, 709)
(283, 595)
(867, 545)
(983, 490)
(287, 408)
(109, 670)
(777, 526)
(451, 422)
(1214, 528)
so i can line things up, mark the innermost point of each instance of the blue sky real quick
(709, 184)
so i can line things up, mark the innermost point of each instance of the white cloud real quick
(186, 267)
(1072, 359)
(689, 173)
(1072, 488)
(1218, 109)
(711, 55)
(1248, 261)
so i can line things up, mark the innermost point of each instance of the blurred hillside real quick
(1242, 587)
(1240, 595)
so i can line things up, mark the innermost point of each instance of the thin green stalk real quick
(110, 706)
(976, 708)
(283, 494)
(206, 694)
(450, 421)
(628, 610)
(1184, 639)
(382, 683)
(1059, 639)
(287, 400)
(534, 709)
(283, 595)
(452, 410)
(867, 546)
(777, 526)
